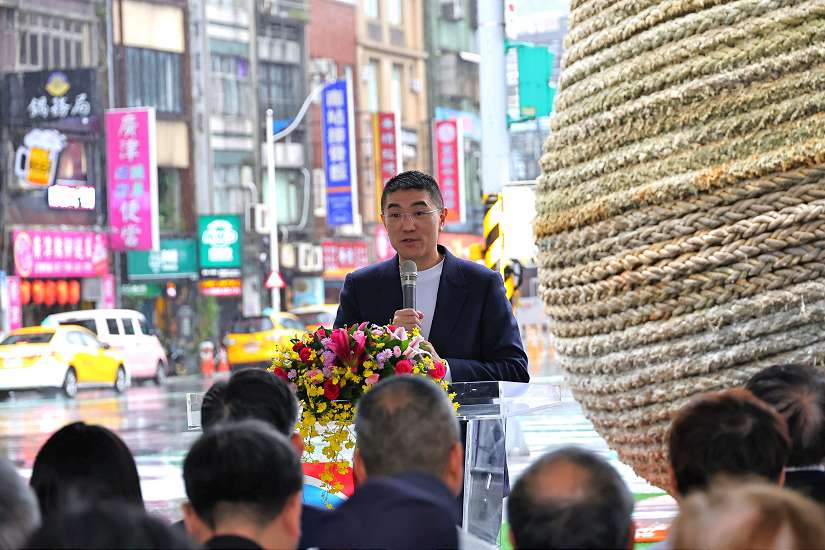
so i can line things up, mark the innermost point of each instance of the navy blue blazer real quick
(473, 325)
(413, 510)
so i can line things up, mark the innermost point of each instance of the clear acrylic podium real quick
(486, 410)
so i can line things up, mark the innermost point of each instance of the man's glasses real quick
(397, 217)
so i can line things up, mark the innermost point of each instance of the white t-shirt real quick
(426, 294)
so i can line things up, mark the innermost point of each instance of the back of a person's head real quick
(738, 515)
(405, 424)
(728, 433)
(570, 498)
(212, 406)
(19, 514)
(84, 462)
(106, 525)
(241, 467)
(252, 394)
(797, 392)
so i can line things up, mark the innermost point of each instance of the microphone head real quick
(409, 272)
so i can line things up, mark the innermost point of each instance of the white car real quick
(127, 332)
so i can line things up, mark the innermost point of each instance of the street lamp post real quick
(272, 205)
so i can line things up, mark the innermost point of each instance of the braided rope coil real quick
(681, 207)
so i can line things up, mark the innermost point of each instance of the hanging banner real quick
(385, 151)
(14, 313)
(108, 299)
(59, 254)
(448, 145)
(132, 178)
(339, 155)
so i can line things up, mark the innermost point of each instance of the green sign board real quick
(176, 259)
(220, 241)
(140, 290)
(535, 95)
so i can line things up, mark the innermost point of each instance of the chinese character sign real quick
(385, 151)
(342, 257)
(132, 179)
(448, 141)
(15, 308)
(336, 122)
(59, 254)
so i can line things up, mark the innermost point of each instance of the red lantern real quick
(25, 292)
(49, 293)
(74, 292)
(37, 291)
(62, 292)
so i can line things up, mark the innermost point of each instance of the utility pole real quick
(272, 206)
(495, 139)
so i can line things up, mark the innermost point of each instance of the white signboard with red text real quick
(448, 144)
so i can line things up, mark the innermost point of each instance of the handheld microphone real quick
(409, 276)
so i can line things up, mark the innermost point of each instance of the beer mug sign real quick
(35, 162)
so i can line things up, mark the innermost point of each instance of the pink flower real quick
(370, 380)
(438, 371)
(403, 367)
(339, 343)
(396, 351)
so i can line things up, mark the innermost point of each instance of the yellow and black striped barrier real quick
(494, 246)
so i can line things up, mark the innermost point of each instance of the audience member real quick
(19, 515)
(244, 482)
(212, 407)
(84, 462)
(741, 516)
(726, 433)
(104, 526)
(570, 498)
(797, 392)
(408, 464)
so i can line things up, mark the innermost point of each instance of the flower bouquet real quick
(331, 369)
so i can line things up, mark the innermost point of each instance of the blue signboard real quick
(337, 159)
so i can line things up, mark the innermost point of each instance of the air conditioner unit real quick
(451, 10)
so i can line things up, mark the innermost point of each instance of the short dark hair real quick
(19, 514)
(241, 466)
(412, 179)
(728, 433)
(252, 394)
(84, 462)
(107, 525)
(797, 392)
(405, 424)
(597, 513)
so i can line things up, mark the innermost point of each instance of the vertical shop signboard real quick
(108, 291)
(15, 314)
(132, 178)
(339, 159)
(385, 151)
(448, 143)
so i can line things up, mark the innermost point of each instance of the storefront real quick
(220, 242)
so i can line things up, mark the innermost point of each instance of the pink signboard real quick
(15, 314)
(448, 142)
(108, 291)
(60, 254)
(132, 178)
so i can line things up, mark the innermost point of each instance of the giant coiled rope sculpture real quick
(681, 206)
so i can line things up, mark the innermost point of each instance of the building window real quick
(153, 80)
(51, 42)
(394, 13)
(371, 8)
(231, 84)
(371, 83)
(280, 87)
(169, 198)
(396, 95)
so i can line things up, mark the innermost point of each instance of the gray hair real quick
(19, 514)
(405, 424)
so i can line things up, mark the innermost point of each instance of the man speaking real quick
(461, 307)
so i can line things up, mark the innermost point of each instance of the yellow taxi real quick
(251, 340)
(318, 315)
(65, 357)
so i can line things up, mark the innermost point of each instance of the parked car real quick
(128, 333)
(319, 315)
(65, 357)
(251, 340)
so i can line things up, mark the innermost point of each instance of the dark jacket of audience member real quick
(82, 462)
(19, 514)
(408, 464)
(571, 498)
(797, 392)
(728, 433)
(243, 481)
(106, 525)
(260, 395)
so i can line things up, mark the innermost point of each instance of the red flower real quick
(403, 367)
(331, 390)
(391, 327)
(321, 333)
(304, 354)
(280, 373)
(298, 346)
(438, 371)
